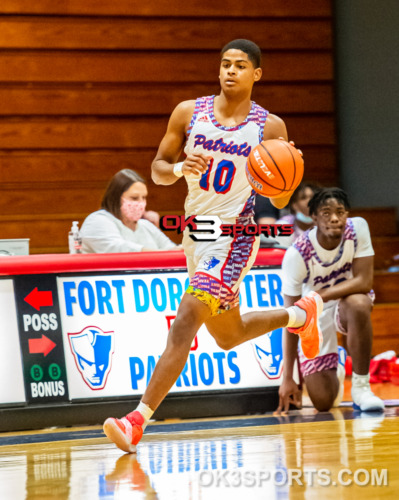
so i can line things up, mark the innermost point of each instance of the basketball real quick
(274, 168)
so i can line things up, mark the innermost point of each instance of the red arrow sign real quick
(41, 346)
(38, 299)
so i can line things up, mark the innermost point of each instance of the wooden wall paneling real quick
(310, 129)
(385, 319)
(383, 343)
(90, 133)
(386, 287)
(87, 88)
(381, 220)
(160, 34)
(320, 164)
(56, 198)
(82, 166)
(299, 97)
(47, 230)
(385, 248)
(139, 66)
(53, 133)
(165, 8)
(48, 233)
(133, 99)
(82, 198)
(75, 166)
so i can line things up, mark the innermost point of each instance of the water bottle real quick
(74, 238)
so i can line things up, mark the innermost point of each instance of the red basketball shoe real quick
(310, 334)
(125, 432)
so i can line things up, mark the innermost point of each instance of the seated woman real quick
(118, 226)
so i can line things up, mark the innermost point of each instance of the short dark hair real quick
(300, 189)
(322, 195)
(119, 183)
(250, 48)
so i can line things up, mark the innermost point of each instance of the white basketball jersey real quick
(224, 189)
(307, 266)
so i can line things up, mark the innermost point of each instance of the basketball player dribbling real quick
(217, 134)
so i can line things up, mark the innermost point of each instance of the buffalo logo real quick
(92, 349)
(268, 351)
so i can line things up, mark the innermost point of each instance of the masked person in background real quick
(299, 215)
(119, 226)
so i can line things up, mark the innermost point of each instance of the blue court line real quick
(294, 417)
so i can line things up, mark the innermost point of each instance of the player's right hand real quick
(289, 393)
(195, 164)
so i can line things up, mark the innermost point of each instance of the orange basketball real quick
(274, 168)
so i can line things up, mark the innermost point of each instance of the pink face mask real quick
(132, 210)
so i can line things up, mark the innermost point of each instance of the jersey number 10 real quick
(224, 175)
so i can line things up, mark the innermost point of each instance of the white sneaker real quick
(362, 397)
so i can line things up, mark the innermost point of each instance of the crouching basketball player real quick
(334, 258)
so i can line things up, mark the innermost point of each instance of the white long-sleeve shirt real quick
(103, 233)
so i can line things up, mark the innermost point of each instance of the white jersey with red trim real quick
(224, 189)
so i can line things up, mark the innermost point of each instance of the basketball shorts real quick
(217, 268)
(329, 323)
